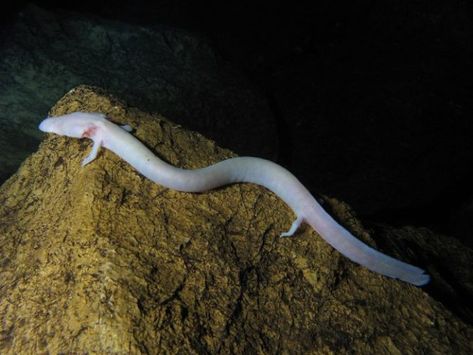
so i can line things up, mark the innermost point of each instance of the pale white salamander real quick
(242, 169)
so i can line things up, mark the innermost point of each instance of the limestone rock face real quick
(101, 260)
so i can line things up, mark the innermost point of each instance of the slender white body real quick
(243, 169)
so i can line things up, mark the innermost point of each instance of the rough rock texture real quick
(102, 260)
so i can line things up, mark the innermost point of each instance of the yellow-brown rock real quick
(101, 260)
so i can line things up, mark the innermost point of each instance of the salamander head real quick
(75, 125)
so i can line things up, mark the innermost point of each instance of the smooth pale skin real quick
(242, 169)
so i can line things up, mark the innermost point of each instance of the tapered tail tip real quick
(420, 280)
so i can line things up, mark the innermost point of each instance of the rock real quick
(101, 260)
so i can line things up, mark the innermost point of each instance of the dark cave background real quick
(371, 101)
